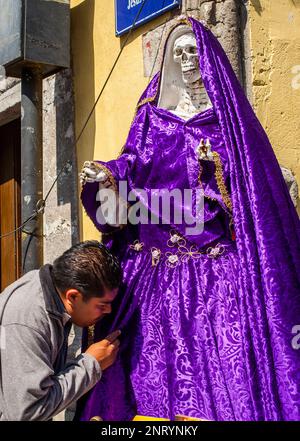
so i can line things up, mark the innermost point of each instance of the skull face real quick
(186, 54)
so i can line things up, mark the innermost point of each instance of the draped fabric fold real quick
(205, 337)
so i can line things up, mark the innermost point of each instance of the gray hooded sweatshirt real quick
(35, 382)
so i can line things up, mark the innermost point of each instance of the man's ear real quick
(72, 295)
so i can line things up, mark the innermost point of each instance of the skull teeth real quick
(187, 68)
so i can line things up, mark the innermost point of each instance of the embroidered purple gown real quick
(206, 319)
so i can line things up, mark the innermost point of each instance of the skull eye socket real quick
(191, 50)
(178, 51)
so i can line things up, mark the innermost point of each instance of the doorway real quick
(10, 202)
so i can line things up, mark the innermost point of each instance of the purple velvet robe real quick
(205, 337)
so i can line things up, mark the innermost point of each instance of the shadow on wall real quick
(257, 6)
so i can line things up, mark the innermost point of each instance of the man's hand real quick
(106, 351)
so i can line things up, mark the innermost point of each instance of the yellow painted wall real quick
(94, 50)
(275, 51)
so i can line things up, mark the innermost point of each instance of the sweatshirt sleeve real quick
(31, 390)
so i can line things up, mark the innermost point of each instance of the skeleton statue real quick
(191, 98)
(188, 297)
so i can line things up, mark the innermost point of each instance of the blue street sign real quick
(127, 10)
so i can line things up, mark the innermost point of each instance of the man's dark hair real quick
(88, 267)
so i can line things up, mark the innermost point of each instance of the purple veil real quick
(267, 231)
(266, 226)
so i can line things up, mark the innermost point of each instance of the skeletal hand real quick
(91, 172)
